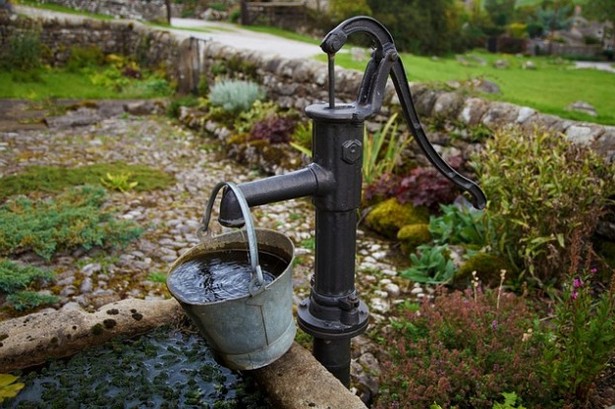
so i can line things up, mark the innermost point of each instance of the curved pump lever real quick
(385, 60)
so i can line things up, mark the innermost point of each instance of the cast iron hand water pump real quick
(334, 314)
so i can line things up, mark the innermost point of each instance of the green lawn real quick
(549, 89)
(62, 84)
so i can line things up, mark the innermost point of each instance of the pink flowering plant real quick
(580, 340)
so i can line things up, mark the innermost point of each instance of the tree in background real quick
(604, 11)
(428, 27)
(340, 10)
(500, 12)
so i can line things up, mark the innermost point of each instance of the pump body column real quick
(334, 314)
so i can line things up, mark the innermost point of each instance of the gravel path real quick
(171, 216)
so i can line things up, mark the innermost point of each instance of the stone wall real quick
(292, 83)
(147, 10)
(151, 48)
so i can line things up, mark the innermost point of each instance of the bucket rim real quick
(186, 256)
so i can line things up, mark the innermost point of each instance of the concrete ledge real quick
(297, 380)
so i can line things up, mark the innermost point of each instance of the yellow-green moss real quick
(488, 268)
(388, 217)
(413, 235)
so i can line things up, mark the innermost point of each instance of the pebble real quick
(392, 289)
(86, 286)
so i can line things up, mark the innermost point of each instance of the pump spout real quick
(312, 180)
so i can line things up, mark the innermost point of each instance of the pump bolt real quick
(351, 151)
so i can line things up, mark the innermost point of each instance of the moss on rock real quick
(388, 217)
(413, 235)
(488, 268)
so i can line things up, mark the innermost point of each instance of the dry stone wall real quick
(148, 10)
(292, 83)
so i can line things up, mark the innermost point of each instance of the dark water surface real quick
(221, 276)
(166, 368)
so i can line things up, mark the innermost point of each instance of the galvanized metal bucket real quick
(254, 330)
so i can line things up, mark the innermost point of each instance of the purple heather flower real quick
(594, 270)
(574, 295)
(494, 325)
(577, 283)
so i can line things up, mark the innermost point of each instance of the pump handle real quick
(385, 61)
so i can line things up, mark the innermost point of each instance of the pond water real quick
(166, 368)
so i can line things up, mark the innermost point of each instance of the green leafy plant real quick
(15, 277)
(73, 219)
(378, 160)
(235, 96)
(430, 266)
(9, 387)
(457, 225)
(542, 191)
(245, 120)
(301, 139)
(28, 300)
(120, 181)
(511, 401)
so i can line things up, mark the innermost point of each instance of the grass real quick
(52, 179)
(64, 84)
(62, 9)
(549, 89)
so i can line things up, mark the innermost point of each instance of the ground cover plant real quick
(468, 348)
(73, 219)
(549, 88)
(54, 179)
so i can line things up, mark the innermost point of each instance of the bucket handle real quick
(257, 284)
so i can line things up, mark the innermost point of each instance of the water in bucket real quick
(223, 276)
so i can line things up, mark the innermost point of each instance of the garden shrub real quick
(84, 57)
(274, 129)
(464, 351)
(74, 219)
(420, 186)
(235, 96)
(24, 52)
(543, 191)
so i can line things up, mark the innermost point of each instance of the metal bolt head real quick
(351, 151)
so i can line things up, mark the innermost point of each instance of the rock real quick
(486, 86)
(582, 106)
(43, 335)
(528, 65)
(501, 64)
(90, 269)
(140, 108)
(583, 134)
